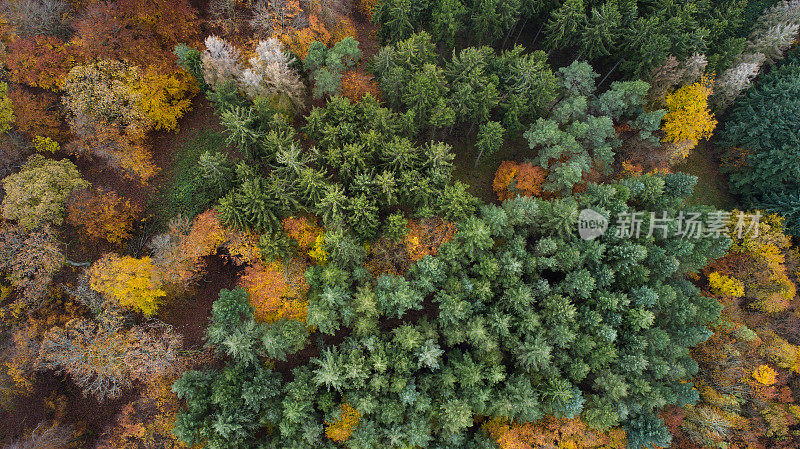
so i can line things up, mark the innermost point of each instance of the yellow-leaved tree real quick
(129, 281)
(341, 429)
(6, 109)
(162, 97)
(689, 119)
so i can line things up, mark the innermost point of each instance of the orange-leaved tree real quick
(356, 84)
(102, 214)
(303, 230)
(518, 179)
(425, 236)
(178, 253)
(553, 432)
(36, 115)
(40, 61)
(142, 32)
(277, 289)
(133, 283)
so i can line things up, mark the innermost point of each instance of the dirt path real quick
(189, 314)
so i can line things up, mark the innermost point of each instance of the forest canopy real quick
(434, 224)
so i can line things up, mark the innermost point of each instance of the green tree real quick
(600, 34)
(565, 24)
(490, 139)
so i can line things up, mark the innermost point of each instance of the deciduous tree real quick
(104, 358)
(37, 194)
(6, 109)
(277, 290)
(41, 61)
(31, 259)
(102, 214)
(132, 283)
(143, 33)
(36, 115)
(688, 119)
(270, 76)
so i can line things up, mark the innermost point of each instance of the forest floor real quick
(712, 185)
(480, 177)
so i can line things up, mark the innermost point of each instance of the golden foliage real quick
(553, 432)
(341, 429)
(6, 109)
(162, 98)
(132, 283)
(689, 119)
(765, 375)
(45, 145)
(724, 285)
(318, 253)
(763, 269)
(277, 290)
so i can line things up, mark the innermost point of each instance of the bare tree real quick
(221, 61)
(733, 81)
(772, 42)
(31, 17)
(772, 35)
(674, 73)
(269, 74)
(45, 436)
(104, 359)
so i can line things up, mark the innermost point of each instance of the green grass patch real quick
(712, 186)
(481, 177)
(183, 192)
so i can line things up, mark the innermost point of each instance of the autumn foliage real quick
(341, 429)
(425, 236)
(142, 32)
(277, 290)
(747, 365)
(303, 230)
(514, 179)
(356, 84)
(102, 214)
(30, 259)
(36, 115)
(41, 61)
(130, 282)
(553, 432)
(104, 358)
(178, 253)
(759, 262)
(689, 119)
